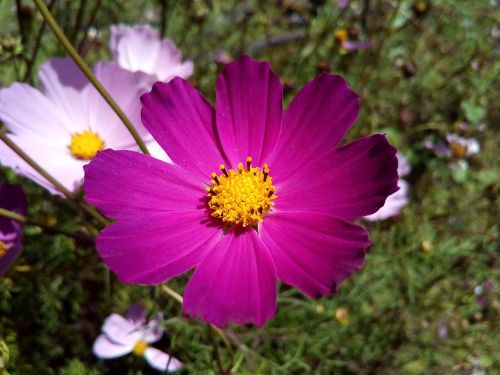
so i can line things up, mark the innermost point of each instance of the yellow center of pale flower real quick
(3, 248)
(140, 348)
(241, 197)
(341, 36)
(85, 145)
(458, 150)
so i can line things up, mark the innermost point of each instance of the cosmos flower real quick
(63, 126)
(456, 147)
(342, 38)
(399, 199)
(13, 199)
(280, 205)
(139, 48)
(121, 336)
(342, 4)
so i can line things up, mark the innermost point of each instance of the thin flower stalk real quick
(25, 220)
(178, 298)
(88, 73)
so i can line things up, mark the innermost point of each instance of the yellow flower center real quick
(458, 150)
(140, 348)
(421, 6)
(341, 36)
(85, 145)
(242, 197)
(3, 248)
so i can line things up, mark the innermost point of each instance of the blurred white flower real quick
(456, 147)
(140, 48)
(395, 202)
(121, 336)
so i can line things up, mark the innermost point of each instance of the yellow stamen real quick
(341, 36)
(140, 348)
(242, 197)
(458, 150)
(3, 248)
(85, 145)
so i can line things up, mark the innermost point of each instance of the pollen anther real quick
(241, 197)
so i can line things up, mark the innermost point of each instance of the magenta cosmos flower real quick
(133, 334)
(13, 199)
(140, 48)
(254, 194)
(63, 126)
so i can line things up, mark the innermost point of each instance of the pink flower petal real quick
(8, 259)
(120, 330)
(357, 45)
(182, 122)
(249, 104)
(12, 198)
(235, 283)
(351, 182)
(153, 248)
(104, 348)
(161, 361)
(148, 185)
(314, 123)
(313, 252)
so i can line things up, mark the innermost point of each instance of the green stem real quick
(88, 72)
(25, 220)
(89, 23)
(36, 48)
(89, 209)
(216, 354)
(78, 21)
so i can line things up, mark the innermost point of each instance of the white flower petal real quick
(64, 85)
(104, 348)
(153, 331)
(121, 330)
(139, 48)
(393, 204)
(157, 151)
(26, 111)
(161, 361)
(404, 166)
(54, 158)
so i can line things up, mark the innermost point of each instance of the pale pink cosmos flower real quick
(140, 48)
(63, 126)
(456, 147)
(133, 334)
(395, 202)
